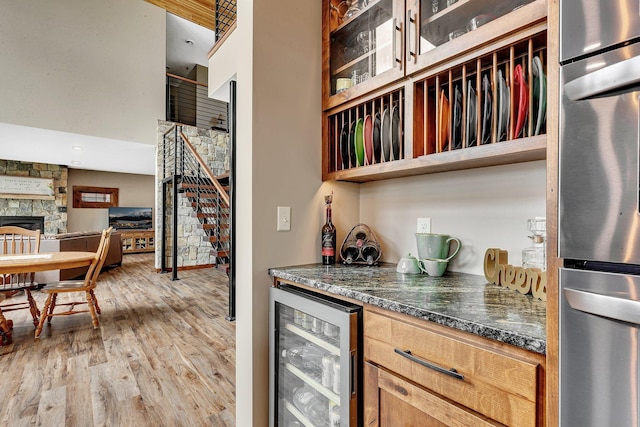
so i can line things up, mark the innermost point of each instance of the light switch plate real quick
(284, 218)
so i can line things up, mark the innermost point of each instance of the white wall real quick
(83, 66)
(484, 208)
(278, 152)
(134, 191)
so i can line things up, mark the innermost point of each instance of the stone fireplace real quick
(52, 212)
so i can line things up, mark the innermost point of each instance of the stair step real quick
(215, 239)
(205, 215)
(203, 187)
(222, 226)
(206, 196)
(214, 226)
(221, 253)
(223, 267)
(204, 204)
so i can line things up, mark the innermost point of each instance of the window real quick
(94, 197)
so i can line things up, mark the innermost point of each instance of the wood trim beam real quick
(201, 12)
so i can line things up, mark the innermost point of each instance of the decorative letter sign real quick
(525, 280)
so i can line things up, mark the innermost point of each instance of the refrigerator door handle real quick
(607, 79)
(451, 372)
(624, 310)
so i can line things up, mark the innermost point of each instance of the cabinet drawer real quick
(494, 384)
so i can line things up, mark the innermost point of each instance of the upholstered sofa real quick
(79, 241)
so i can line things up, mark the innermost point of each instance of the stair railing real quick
(188, 174)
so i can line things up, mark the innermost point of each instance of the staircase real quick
(186, 174)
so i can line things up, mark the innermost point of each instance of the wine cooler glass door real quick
(313, 362)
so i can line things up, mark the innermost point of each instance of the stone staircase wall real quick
(193, 249)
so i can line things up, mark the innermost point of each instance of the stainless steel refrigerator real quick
(315, 367)
(599, 213)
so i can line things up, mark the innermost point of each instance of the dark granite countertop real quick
(462, 301)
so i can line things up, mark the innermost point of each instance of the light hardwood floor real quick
(164, 355)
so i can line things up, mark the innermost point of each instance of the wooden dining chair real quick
(85, 286)
(19, 241)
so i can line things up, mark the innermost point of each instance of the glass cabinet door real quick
(365, 45)
(434, 23)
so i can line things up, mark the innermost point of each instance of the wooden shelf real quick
(136, 241)
(500, 153)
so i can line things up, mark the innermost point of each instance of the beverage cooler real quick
(315, 367)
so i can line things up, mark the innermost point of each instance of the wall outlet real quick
(284, 218)
(424, 225)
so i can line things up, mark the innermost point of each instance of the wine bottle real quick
(371, 253)
(307, 358)
(313, 406)
(328, 235)
(350, 254)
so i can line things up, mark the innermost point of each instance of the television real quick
(127, 218)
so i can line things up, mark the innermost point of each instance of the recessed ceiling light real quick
(77, 147)
(189, 42)
(75, 162)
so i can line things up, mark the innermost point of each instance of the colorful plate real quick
(352, 144)
(385, 135)
(443, 122)
(520, 100)
(344, 146)
(377, 142)
(359, 142)
(486, 110)
(396, 132)
(472, 117)
(368, 140)
(539, 96)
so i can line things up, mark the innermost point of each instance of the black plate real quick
(377, 142)
(396, 131)
(471, 119)
(456, 131)
(344, 145)
(486, 110)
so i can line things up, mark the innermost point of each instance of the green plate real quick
(359, 142)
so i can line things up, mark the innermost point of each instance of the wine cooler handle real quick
(352, 374)
(451, 372)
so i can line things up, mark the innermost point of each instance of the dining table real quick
(43, 261)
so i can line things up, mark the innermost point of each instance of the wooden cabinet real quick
(438, 32)
(363, 49)
(449, 94)
(134, 241)
(427, 374)
(392, 401)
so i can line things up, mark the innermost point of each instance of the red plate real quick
(521, 99)
(368, 140)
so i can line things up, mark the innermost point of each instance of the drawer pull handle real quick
(451, 372)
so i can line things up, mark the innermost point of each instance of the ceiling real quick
(103, 154)
(188, 44)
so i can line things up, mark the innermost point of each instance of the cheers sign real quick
(498, 271)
